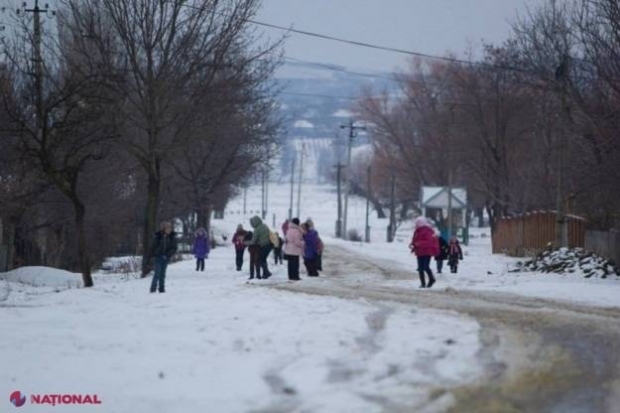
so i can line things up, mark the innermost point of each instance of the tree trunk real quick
(80, 214)
(203, 217)
(150, 217)
(10, 253)
(480, 216)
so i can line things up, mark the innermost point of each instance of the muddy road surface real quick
(538, 355)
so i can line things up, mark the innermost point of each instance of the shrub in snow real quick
(354, 235)
(569, 260)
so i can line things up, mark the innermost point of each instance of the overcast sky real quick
(426, 26)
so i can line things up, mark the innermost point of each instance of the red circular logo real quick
(18, 399)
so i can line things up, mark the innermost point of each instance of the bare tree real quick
(163, 58)
(56, 115)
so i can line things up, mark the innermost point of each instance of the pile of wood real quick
(569, 261)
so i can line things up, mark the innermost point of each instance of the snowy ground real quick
(480, 270)
(215, 343)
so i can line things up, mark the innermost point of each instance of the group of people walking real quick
(300, 240)
(426, 245)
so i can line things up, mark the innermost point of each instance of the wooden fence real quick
(604, 243)
(529, 234)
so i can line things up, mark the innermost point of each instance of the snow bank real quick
(43, 277)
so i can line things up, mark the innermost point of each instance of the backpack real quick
(275, 240)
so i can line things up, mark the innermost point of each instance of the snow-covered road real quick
(215, 343)
(538, 354)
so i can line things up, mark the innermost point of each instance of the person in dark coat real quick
(455, 254)
(320, 246)
(254, 252)
(425, 246)
(238, 240)
(444, 249)
(277, 251)
(311, 249)
(201, 248)
(164, 248)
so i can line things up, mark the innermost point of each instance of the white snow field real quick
(214, 343)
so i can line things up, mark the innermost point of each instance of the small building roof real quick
(437, 197)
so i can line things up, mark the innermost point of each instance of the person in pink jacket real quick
(293, 248)
(424, 245)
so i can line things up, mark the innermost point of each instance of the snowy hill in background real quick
(316, 100)
(318, 202)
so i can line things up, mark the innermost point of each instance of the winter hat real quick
(201, 232)
(295, 221)
(420, 222)
(240, 227)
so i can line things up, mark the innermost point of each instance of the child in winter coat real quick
(294, 248)
(254, 251)
(201, 248)
(424, 245)
(320, 246)
(444, 251)
(238, 241)
(311, 249)
(277, 251)
(455, 255)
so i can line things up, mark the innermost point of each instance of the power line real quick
(364, 44)
(319, 95)
(370, 45)
(335, 68)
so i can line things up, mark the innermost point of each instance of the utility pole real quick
(450, 201)
(561, 232)
(367, 234)
(352, 134)
(339, 167)
(266, 192)
(391, 228)
(301, 171)
(262, 208)
(290, 209)
(37, 60)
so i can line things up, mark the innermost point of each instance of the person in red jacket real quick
(424, 245)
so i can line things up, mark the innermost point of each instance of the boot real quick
(431, 280)
(422, 281)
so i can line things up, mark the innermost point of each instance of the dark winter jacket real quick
(261, 232)
(201, 244)
(455, 252)
(424, 242)
(444, 250)
(311, 241)
(164, 245)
